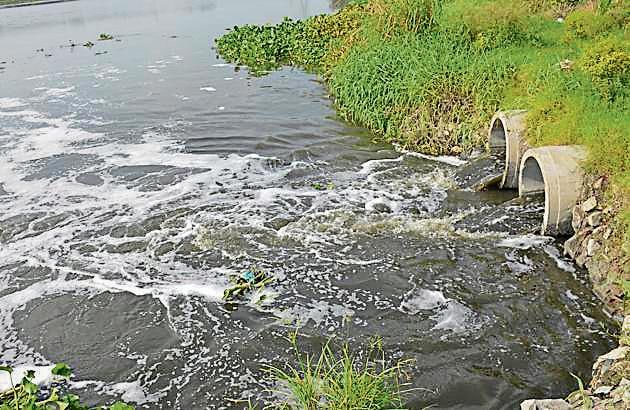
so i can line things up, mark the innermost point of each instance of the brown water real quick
(133, 183)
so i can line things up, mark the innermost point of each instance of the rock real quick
(381, 207)
(592, 246)
(577, 218)
(599, 232)
(607, 233)
(598, 184)
(547, 404)
(594, 219)
(610, 369)
(589, 204)
(581, 258)
(617, 354)
(603, 390)
(571, 246)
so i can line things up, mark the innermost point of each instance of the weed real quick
(340, 380)
(587, 402)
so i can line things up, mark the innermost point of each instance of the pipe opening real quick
(497, 136)
(532, 180)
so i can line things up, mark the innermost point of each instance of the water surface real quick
(138, 175)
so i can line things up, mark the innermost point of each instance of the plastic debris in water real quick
(253, 279)
(248, 276)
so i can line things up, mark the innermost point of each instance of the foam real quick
(424, 299)
(43, 376)
(455, 317)
(132, 392)
(524, 241)
(6, 103)
(554, 254)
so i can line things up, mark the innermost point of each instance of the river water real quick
(138, 175)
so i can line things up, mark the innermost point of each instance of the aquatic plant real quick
(26, 394)
(339, 379)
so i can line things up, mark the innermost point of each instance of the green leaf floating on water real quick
(62, 369)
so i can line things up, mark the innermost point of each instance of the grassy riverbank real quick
(429, 74)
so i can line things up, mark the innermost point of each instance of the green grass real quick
(429, 74)
(337, 379)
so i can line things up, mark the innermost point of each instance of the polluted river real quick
(138, 175)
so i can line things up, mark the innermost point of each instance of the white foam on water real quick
(455, 317)
(445, 159)
(57, 92)
(11, 103)
(424, 299)
(132, 392)
(320, 313)
(209, 89)
(369, 166)
(43, 376)
(562, 263)
(524, 241)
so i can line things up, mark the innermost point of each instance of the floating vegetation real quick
(248, 281)
(26, 394)
(105, 37)
(323, 187)
(88, 44)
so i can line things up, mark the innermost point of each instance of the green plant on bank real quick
(26, 395)
(340, 380)
(586, 401)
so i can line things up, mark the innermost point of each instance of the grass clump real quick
(340, 380)
(25, 394)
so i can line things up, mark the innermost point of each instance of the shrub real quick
(584, 24)
(489, 24)
(608, 63)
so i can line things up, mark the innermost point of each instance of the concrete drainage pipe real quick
(507, 133)
(555, 172)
